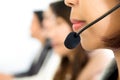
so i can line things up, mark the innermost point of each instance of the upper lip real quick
(77, 24)
(73, 21)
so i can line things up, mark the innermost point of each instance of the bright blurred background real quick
(17, 47)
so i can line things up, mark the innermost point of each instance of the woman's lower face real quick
(92, 38)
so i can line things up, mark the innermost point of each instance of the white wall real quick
(17, 48)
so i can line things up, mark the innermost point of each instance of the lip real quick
(77, 24)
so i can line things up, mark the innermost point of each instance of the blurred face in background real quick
(85, 11)
(57, 30)
(36, 29)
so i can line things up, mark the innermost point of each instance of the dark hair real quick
(61, 10)
(39, 15)
(70, 69)
(80, 57)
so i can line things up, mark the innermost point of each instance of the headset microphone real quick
(73, 39)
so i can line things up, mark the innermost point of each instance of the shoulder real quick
(101, 53)
(100, 58)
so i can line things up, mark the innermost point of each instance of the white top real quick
(48, 69)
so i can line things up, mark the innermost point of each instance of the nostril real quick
(70, 4)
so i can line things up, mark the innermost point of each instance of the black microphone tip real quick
(72, 40)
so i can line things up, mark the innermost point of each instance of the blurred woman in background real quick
(41, 67)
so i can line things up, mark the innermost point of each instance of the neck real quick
(117, 58)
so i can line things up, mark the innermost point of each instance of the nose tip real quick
(70, 3)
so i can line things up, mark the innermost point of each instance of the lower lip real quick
(78, 26)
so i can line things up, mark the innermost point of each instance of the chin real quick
(90, 47)
(87, 48)
(57, 50)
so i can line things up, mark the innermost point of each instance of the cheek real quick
(114, 25)
(94, 35)
(61, 35)
(100, 29)
(46, 24)
(91, 42)
(63, 32)
(106, 26)
(62, 50)
(34, 30)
